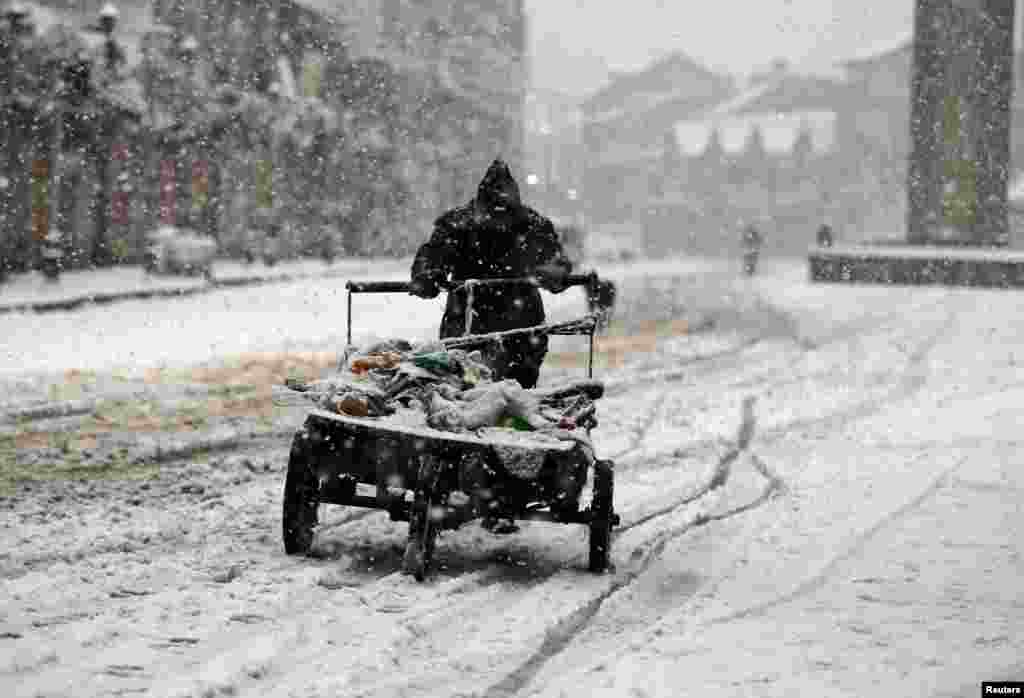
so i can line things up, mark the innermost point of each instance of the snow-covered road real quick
(868, 542)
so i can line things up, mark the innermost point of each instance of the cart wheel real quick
(301, 499)
(602, 515)
(423, 529)
(419, 551)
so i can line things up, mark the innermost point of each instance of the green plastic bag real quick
(434, 361)
(515, 422)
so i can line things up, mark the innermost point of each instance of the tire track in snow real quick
(571, 627)
(479, 606)
(651, 549)
(563, 633)
(911, 381)
(843, 416)
(558, 638)
(649, 419)
(646, 424)
(561, 637)
(817, 580)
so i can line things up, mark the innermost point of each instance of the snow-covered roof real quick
(743, 99)
(779, 130)
(656, 78)
(650, 103)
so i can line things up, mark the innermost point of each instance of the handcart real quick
(436, 479)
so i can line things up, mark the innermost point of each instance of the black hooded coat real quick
(495, 236)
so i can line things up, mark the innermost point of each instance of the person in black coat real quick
(752, 243)
(825, 236)
(495, 236)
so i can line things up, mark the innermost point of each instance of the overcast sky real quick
(573, 42)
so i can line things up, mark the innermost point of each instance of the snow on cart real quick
(425, 433)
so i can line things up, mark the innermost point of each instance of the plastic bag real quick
(369, 362)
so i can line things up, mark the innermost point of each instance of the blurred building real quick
(778, 114)
(624, 125)
(765, 155)
(94, 108)
(465, 62)
(428, 91)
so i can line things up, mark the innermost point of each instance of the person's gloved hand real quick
(425, 288)
(553, 277)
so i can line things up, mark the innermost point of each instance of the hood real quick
(498, 187)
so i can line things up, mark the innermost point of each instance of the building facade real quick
(624, 127)
(766, 156)
(466, 62)
(437, 86)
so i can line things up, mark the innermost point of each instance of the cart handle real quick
(406, 286)
(378, 286)
(589, 279)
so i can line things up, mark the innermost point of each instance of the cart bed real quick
(387, 451)
(411, 425)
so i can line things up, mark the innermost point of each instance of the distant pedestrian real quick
(825, 238)
(752, 243)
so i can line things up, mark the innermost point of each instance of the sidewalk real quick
(32, 292)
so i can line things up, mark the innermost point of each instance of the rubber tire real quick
(419, 551)
(423, 530)
(602, 512)
(299, 514)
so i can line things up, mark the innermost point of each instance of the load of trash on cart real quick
(451, 389)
